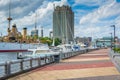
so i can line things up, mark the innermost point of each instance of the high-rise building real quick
(34, 32)
(63, 23)
(41, 31)
(85, 40)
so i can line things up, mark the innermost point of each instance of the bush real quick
(117, 50)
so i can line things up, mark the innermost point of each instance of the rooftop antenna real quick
(9, 18)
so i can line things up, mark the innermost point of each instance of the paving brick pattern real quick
(94, 65)
(114, 77)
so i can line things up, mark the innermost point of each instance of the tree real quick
(57, 41)
(45, 40)
(49, 41)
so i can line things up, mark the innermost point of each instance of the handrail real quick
(115, 57)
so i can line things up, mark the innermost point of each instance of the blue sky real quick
(92, 17)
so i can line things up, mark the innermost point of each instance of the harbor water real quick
(10, 56)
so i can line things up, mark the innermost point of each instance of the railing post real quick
(67, 55)
(42, 59)
(45, 59)
(31, 62)
(57, 58)
(50, 58)
(21, 65)
(39, 61)
(7, 68)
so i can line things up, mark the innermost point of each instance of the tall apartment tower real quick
(41, 31)
(63, 23)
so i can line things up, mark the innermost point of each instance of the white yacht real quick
(41, 50)
(68, 47)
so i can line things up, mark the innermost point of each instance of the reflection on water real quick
(8, 56)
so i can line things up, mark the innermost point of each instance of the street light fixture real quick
(114, 34)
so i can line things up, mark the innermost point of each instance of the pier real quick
(84, 65)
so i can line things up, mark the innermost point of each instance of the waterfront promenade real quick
(95, 65)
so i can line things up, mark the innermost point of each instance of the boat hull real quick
(14, 50)
(16, 47)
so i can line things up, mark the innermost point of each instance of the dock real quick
(94, 65)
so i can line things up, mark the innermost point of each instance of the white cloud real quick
(95, 23)
(87, 2)
(44, 16)
(86, 32)
(92, 2)
(87, 24)
(102, 12)
(3, 2)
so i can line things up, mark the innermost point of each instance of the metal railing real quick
(115, 57)
(11, 68)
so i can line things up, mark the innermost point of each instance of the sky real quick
(92, 17)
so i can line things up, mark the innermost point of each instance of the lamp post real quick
(114, 34)
(111, 40)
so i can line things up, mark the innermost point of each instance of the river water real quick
(8, 56)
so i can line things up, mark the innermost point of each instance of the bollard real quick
(57, 58)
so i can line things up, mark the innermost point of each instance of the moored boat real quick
(41, 50)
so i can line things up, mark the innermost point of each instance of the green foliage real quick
(57, 41)
(49, 41)
(35, 37)
(117, 50)
(45, 40)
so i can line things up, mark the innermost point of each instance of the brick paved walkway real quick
(94, 65)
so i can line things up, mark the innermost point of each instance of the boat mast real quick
(68, 26)
(53, 43)
(9, 18)
(35, 21)
(36, 26)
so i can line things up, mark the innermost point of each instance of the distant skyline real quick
(92, 17)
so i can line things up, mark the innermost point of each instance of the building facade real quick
(24, 34)
(34, 32)
(105, 41)
(15, 36)
(63, 23)
(85, 40)
(41, 31)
